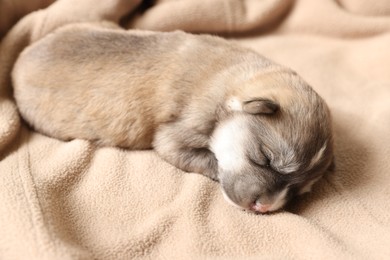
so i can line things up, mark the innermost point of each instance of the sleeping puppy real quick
(204, 104)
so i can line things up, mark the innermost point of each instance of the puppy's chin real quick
(226, 197)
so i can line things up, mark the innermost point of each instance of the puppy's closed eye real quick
(261, 161)
(260, 106)
(258, 158)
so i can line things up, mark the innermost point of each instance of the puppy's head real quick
(273, 141)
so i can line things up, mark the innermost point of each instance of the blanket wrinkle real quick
(73, 200)
(327, 15)
(361, 7)
(22, 205)
(226, 16)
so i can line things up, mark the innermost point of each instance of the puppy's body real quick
(204, 104)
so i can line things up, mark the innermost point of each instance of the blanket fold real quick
(72, 200)
(216, 16)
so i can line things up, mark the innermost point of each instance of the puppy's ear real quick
(260, 106)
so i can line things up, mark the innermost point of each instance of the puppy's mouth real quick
(256, 206)
(259, 207)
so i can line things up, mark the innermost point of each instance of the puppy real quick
(204, 104)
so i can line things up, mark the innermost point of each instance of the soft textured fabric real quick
(71, 200)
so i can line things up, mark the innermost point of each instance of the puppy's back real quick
(72, 82)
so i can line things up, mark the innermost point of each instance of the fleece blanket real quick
(72, 200)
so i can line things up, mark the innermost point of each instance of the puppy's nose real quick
(262, 208)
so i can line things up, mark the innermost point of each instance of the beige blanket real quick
(71, 200)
